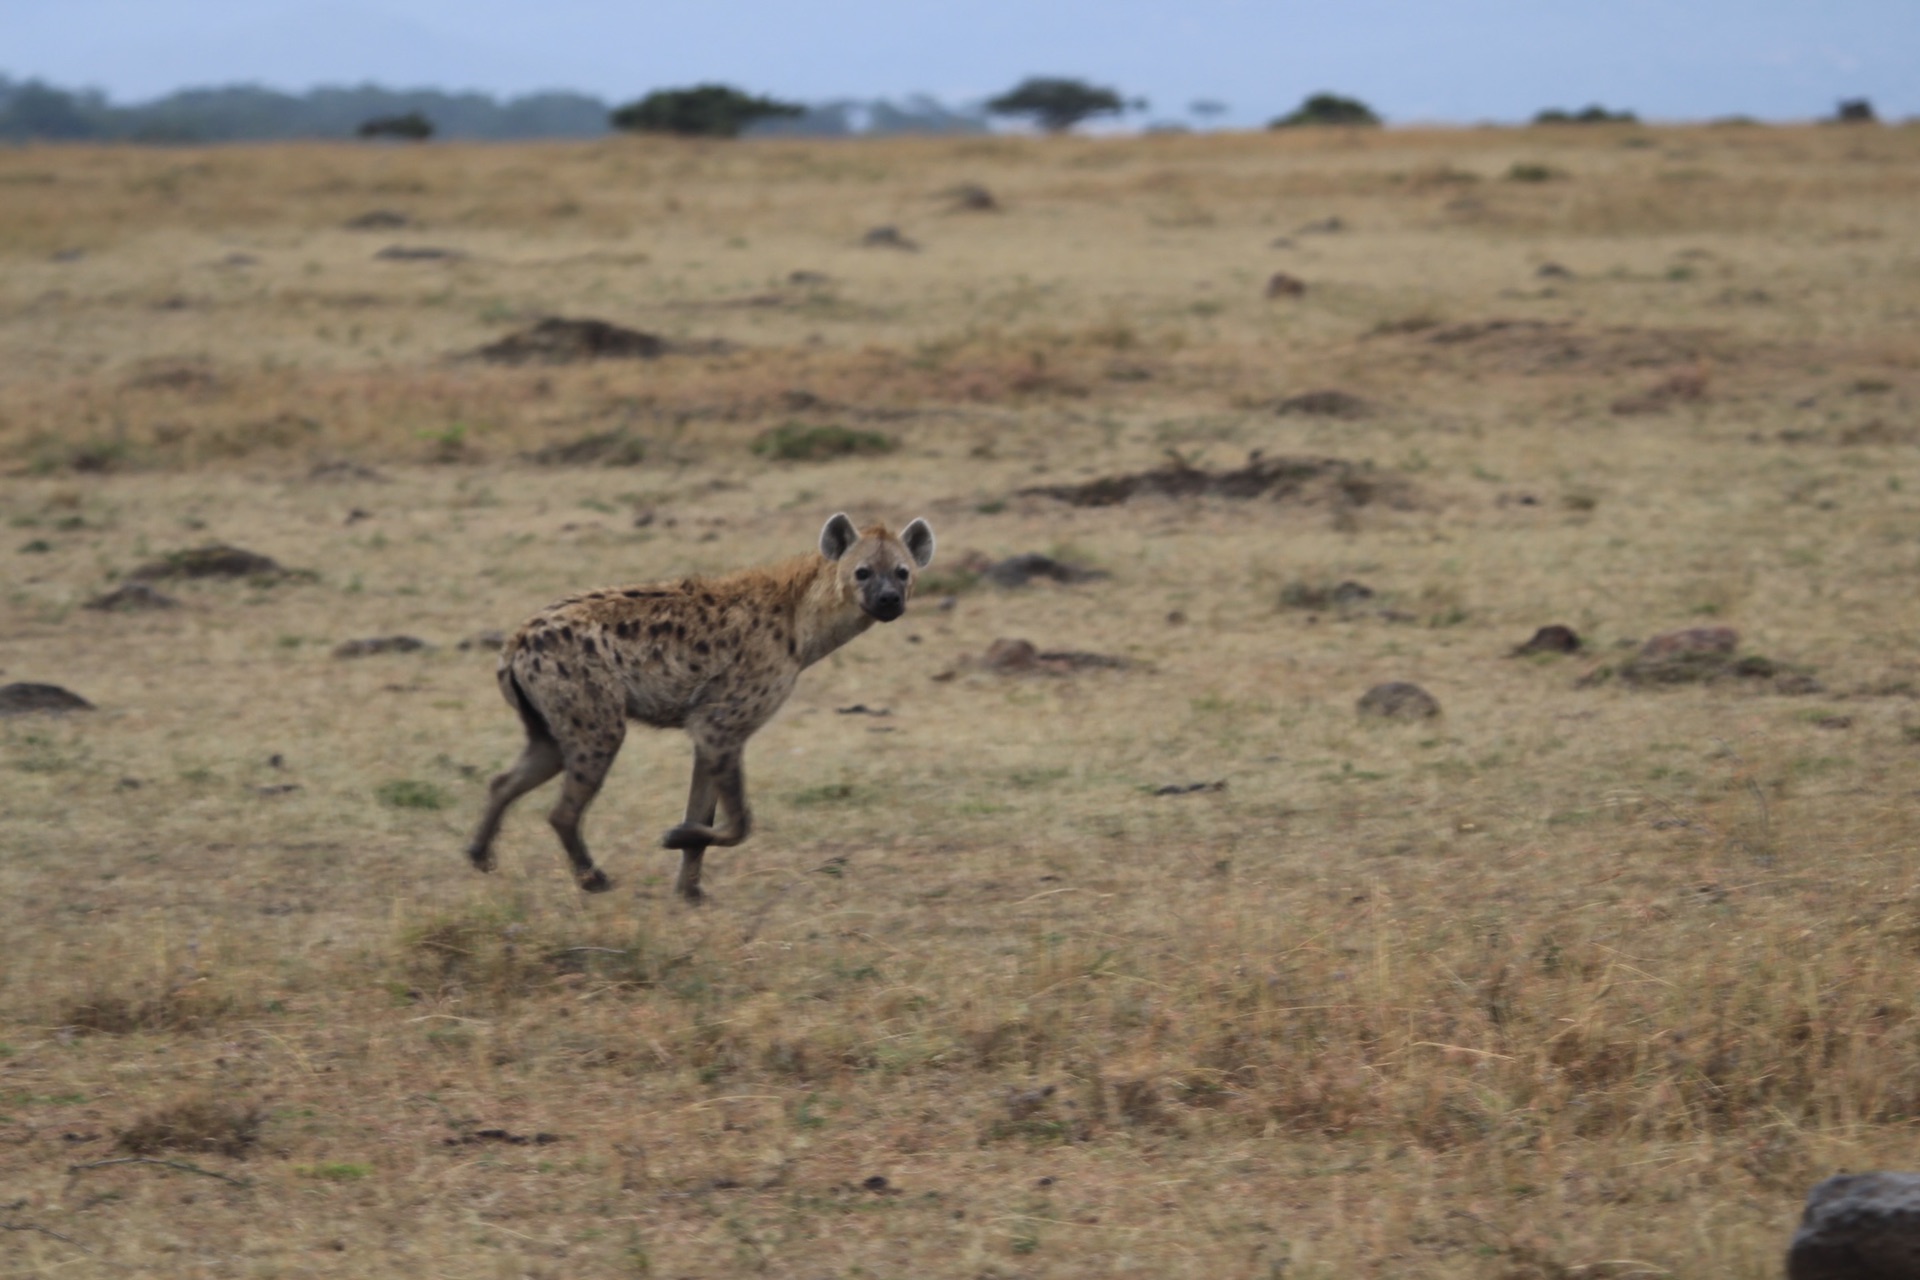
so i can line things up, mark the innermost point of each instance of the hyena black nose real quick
(888, 605)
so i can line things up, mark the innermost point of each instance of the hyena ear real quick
(918, 539)
(838, 536)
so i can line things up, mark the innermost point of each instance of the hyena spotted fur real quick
(714, 656)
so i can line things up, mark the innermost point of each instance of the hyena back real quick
(714, 656)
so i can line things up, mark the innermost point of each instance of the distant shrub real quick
(1855, 111)
(1529, 171)
(797, 442)
(1595, 114)
(704, 111)
(405, 793)
(1327, 108)
(410, 127)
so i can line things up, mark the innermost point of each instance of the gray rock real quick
(1859, 1226)
(1399, 700)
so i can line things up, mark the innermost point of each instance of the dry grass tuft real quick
(195, 1124)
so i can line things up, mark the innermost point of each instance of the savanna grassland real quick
(1581, 978)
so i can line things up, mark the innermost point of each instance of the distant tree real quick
(1595, 114)
(411, 127)
(706, 110)
(36, 110)
(1056, 104)
(1207, 108)
(1855, 111)
(1327, 108)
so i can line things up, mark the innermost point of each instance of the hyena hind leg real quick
(581, 786)
(537, 763)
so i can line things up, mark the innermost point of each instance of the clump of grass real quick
(1532, 171)
(409, 793)
(195, 1124)
(116, 1014)
(798, 442)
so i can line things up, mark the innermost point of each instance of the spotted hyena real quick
(713, 656)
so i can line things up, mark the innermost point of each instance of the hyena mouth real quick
(887, 610)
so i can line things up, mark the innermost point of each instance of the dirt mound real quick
(1398, 700)
(1022, 657)
(557, 340)
(1355, 484)
(379, 644)
(1330, 403)
(1559, 346)
(1018, 571)
(23, 698)
(132, 597)
(215, 560)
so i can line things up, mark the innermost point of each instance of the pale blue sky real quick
(1461, 61)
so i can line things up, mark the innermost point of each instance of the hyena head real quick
(875, 568)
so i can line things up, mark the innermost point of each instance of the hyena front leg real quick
(717, 776)
(700, 810)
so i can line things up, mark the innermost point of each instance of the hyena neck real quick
(824, 618)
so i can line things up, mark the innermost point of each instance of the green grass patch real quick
(407, 793)
(798, 442)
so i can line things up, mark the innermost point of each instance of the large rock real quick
(1859, 1226)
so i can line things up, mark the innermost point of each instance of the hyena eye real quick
(901, 573)
(862, 574)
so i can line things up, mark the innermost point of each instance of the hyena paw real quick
(687, 836)
(595, 881)
(482, 859)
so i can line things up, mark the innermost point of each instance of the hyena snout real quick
(887, 604)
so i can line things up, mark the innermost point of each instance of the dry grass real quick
(1572, 982)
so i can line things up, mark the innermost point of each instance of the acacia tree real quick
(706, 110)
(1056, 104)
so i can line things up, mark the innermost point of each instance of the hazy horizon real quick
(1476, 60)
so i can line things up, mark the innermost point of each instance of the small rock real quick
(132, 597)
(418, 253)
(1282, 285)
(487, 640)
(808, 277)
(862, 709)
(1552, 638)
(1325, 404)
(1188, 788)
(356, 515)
(1859, 1226)
(877, 1183)
(1325, 226)
(1398, 700)
(379, 644)
(25, 698)
(888, 238)
(215, 560)
(379, 220)
(971, 197)
(1553, 271)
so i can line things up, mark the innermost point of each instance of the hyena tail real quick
(537, 728)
